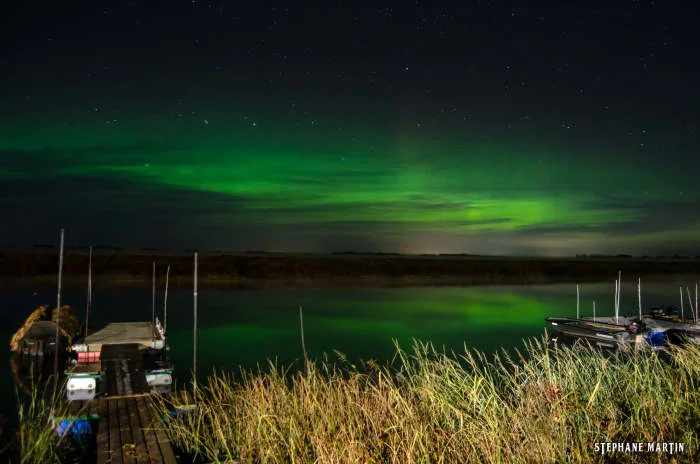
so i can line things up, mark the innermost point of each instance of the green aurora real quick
(416, 128)
(424, 193)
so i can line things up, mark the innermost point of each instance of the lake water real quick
(247, 327)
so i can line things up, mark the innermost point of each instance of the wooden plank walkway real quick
(129, 433)
(122, 371)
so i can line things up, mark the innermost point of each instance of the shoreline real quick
(115, 282)
(275, 270)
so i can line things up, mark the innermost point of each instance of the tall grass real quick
(538, 404)
(35, 438)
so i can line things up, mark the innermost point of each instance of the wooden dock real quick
(128, 432)
(128, 428)
(122, 370)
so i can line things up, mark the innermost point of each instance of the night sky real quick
(414, 127)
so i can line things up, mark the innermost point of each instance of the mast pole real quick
(619, 296)
(58, 306)
(639, 297)
(195, 327)
(153, 298)
(578, 300)
(682, 310)
(89, 295)
(165, 302)
(617, 289)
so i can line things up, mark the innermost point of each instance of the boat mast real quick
(617, 289)
(593, 310)
(195, 327)
(58, 306)
(682, 311)
(639, 297)
(88, 306)
(153, 298)
(578, 300)
(619, 294)
(165, 302)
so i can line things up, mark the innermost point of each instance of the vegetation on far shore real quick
(546, 405)
(253, 269)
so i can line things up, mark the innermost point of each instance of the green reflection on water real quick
(363, 323)
(246, 328)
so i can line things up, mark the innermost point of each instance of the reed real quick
(35, 439)
(536, 404)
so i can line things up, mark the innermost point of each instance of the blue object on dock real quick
(656, 338)
(77, 427)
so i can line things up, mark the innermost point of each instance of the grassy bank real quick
(552, 404)
(253, 270)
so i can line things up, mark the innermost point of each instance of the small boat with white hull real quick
(601, 333)
(138, 346)
(678, 328)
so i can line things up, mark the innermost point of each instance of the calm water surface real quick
(247, 327)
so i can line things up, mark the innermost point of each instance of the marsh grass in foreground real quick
(35, 438)
(540, 404)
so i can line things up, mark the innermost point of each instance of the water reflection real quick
(247, 327)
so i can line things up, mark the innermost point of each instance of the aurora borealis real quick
(462, 127)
